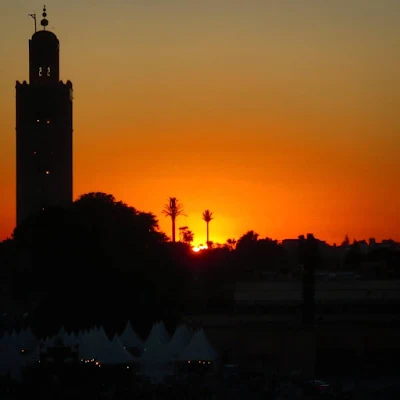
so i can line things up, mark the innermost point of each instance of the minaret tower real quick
(43, 129)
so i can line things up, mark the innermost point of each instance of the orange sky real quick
(278, 117)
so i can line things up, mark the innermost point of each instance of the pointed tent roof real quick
(101, 334)
(27, 335)
(199, 348)
(180, 340)
(85, 334)
(70, 340)
(91, 345)
(129, 337)
(114, 354)
(158, 334)
(163, 330)
(155, 349)
(156, 361)
(27, 339)
(11, 341)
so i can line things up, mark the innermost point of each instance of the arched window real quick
(48, 71)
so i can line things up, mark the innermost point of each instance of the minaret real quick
(44, 56)
(43, 129)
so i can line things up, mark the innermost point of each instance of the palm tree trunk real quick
(173, 230)
(207, 236)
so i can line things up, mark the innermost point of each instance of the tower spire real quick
(44, 22)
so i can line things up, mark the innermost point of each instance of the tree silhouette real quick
(207, 217)
(230, 244)
(173, 209)
(346, 241)
(186, 235)
(182, 229)
(247, 241)
(78, 255)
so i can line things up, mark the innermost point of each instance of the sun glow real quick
(196, 249)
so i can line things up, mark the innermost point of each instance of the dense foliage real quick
(97, 261)
(102, 261)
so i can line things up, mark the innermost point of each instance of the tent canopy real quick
(129, 337)
(199, 349)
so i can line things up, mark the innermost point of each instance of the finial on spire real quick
(44, 22)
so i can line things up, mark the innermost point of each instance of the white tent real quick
(156, 352)
(92, 344)
(156, 361)
(32, 357)
(129, 337)
(199, 348)
(46, 343)
(157, 334)
(115, 354)
(27, 339)
(11, 361)
(70, 340)
(163, 330)
(101, 334)
(180, 340)
(80, 336)
(83, 335)
(11, 341)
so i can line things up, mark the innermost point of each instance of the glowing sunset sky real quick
(280, 116)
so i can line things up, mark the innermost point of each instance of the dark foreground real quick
(225, 385)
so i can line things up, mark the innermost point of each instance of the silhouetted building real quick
(43, 130)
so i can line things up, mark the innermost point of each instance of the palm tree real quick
(173, 209)
(207, 217)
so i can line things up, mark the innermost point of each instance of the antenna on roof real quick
(34, 19)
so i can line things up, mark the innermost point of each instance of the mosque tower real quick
(43, 129)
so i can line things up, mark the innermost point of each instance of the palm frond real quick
(207, 216)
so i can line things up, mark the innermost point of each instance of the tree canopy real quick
(100, 252)
(101, 260)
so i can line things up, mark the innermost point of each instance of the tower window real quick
(48, 71)
(40, 71)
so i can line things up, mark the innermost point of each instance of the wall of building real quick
(284, 345)
(290, 292)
